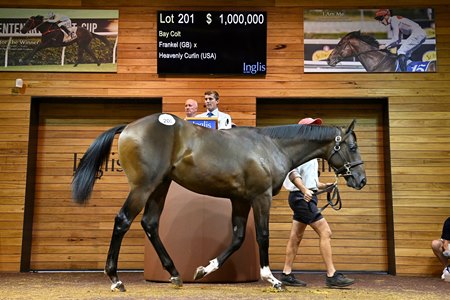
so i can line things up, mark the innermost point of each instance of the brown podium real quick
(196, 229)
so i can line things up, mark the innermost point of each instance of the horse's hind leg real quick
(131, 208)
(239, 216)
(261, 207)
(92, 54)
(150, 223)
(80, 53)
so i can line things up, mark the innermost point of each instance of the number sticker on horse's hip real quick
(166, 119)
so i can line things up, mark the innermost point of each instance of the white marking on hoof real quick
(213, 265)
(166, 119)
(266, 274)
(116, 286)
(203, 271)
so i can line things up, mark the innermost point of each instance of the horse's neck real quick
(46, 26)
(302, 150)
(374, 59)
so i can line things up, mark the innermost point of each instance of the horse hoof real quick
(199, 273)
(279, 287)
(176, 281)
(118, 287)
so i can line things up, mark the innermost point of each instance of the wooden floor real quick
(95, 285)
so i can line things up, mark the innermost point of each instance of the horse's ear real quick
(351, 126)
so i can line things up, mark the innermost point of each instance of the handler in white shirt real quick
(211, 103)
(303, 183)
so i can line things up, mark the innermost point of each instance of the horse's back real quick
(156, 128)
(231, 162)
(145, 145)
(226, 163)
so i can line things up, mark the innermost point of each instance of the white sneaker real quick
(445, 273)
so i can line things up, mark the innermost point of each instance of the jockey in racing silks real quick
(62, 21)
(401, 25)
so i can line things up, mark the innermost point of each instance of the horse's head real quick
(345, 159)
(32, 23)
(352, 44)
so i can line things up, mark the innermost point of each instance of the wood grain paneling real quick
(66, 129)
(363, 216)
(14, 122)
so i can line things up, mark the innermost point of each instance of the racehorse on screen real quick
(245, 164)
(53, 37)
(365, 49)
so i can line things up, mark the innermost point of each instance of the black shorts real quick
(304, 212)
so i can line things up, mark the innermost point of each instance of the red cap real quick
(309, 121)
(382, 12)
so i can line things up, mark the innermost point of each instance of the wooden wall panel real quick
(14, 123)
(418, 118)
(67, 235)
(363, 216)
(420, 142)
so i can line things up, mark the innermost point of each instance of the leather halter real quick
(333, 195)
(345, 169)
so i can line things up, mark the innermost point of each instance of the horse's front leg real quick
(27, 58)
(261, 207)
(122, 223)
(240, 210)
(150, 223)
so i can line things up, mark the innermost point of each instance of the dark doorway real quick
(362, 230)
(59, 234)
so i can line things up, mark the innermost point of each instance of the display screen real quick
(212, 42)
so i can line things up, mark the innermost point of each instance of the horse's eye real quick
(353, 147)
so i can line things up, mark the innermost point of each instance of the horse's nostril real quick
(363, 182)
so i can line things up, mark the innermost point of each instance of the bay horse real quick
(366, 49)
(53, 37)
(245, 164)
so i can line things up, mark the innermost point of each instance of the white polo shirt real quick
(309, 175)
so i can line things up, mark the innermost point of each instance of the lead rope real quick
(333, 197)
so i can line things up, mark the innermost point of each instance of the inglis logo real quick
(255, 68)
(111, 165)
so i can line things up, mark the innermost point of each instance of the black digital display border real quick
(212, 42)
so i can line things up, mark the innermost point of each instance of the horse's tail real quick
(86, 173)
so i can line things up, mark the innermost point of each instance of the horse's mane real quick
(365, 38)
(42, 20)
(310, 132)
